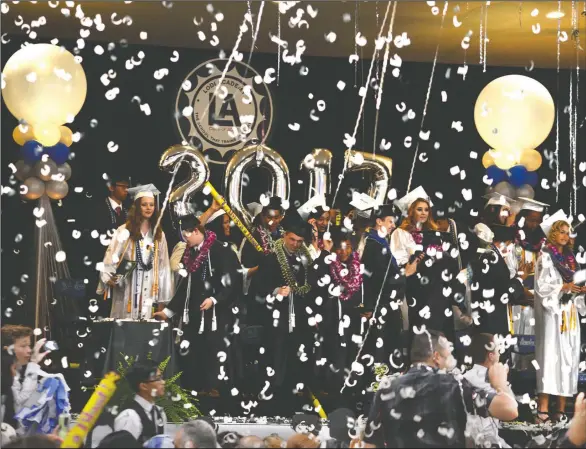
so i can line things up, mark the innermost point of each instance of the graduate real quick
(208, 283)
(284, 283)
(529, 240)
(559, 302)
(137, 242)
(495, 278)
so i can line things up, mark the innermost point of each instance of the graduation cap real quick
(363, 203)
(275, 203)
(496, 199)
(532, 205)
(405, 203)
(313, 208)
(146, 191)
(188, 223)
(295, 224)
(548, 222)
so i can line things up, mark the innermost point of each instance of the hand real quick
(284, 291)
(466, 320)
(576, 288)
(215, 206)
(114, 280)
(313, 223)
(497, 375)
(411, 268)
(528, 270)
(161, 315)
(367, 315)
(583, 289)
(206, 304)
(37, 356)
(328, 245)
(577, 431)
(570, 287)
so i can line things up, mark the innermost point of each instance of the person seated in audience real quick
(16, 340)
(142, 418)
(37, 440)
(196, 434)
(274, 441)
(229, 439)
(251, 441)
(8, 374)
(431, 392)
(485, 354)
(121, 439)
(300, 440)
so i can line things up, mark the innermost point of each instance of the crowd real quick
(323, 296)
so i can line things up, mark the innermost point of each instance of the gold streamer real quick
(224, 205)
(91, 412)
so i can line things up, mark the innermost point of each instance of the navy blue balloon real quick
(531, 178)
(31, 152)
(496, 174)
(518, 175)
(59, 153)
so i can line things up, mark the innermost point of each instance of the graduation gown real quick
(340, 332)
(557, 331)
(495, 289)
(204, 332)
(385, 338)
(286, 320)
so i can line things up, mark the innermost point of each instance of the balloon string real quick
(571, 114)
(485, 39)
(481, 38)
(278, 46)
(557, 113)
(168, 194)
(364, 94)
(427, 97)
(382, 78)
(260, 9)
(355, 43)
(575, 139)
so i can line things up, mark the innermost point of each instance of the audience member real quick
(196, 434)
(274, 441)
(142, 418)
(485, 354)
(229, 439)
(251, 441)
(342, 424)
(121, 439)
(37, 441)
(427, 406)
(302, 441)
(8, 374)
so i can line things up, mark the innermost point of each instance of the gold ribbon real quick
(224, 205)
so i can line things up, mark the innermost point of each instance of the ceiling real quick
(510, 25)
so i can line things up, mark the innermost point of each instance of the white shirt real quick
(22, 391)
(130, 421)
(114, 204)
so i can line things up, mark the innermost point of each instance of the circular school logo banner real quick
(219, 118)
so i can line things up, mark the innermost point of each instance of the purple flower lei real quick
(352, 281)
(192, 264)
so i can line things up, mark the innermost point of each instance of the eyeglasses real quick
(155, 379)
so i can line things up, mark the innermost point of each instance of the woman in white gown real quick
(558, 301)
(150, 284)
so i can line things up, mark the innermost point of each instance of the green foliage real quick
(178, 403)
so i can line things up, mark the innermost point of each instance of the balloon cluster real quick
(45, 87)
(513, 114)
(43, 170)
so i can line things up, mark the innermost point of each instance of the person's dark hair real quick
(492, 215)
(251, 441)
(339, 420)
(481, 346)
(200, 433)
(121, 439)
(11, 332)
(141, 372)
(424, 345)
(37, 440)
(8, 361)
(229, 439)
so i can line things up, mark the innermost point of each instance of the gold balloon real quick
(44, 84)
(487, 159)
(56, 190)
(22, 134)
(531, 159)
(47, 134)
(66, 135)
(34, 188)
(514, 112)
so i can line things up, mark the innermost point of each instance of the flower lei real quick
(352, 281)
(279, 248)
(190, 263)
(566, 263)
(266, 241)
(418, 239)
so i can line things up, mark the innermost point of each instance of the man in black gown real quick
(203, 301)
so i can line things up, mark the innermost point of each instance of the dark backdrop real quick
(142, 139)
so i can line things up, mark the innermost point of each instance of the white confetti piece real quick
(535, 365)
(112, 147)
(143, 35)
(294, 126)
(331, 37)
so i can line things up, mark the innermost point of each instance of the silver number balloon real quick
(259, 156)
(381, 168)
(319, 166)
(199, 174)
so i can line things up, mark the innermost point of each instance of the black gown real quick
(282, 345)
(377, 259)
(200, 361)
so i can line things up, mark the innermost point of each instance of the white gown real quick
(154, 286)
(557, 332)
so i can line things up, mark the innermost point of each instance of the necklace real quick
(352, 281)
(566, 264)
(149, 264)
(266, 240)
(191, 263)
(113, 215)
(279, 248)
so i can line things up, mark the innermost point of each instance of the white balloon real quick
(525, 191)
(506, 189)
(514, 113)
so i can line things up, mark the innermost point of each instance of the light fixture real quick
(555, 14)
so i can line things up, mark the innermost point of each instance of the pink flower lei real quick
(190, 263)
(266, 241)
(352, 281)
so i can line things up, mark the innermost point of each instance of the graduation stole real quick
(286, 268)
(352, 281)
(266, 240)
(191, 263)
